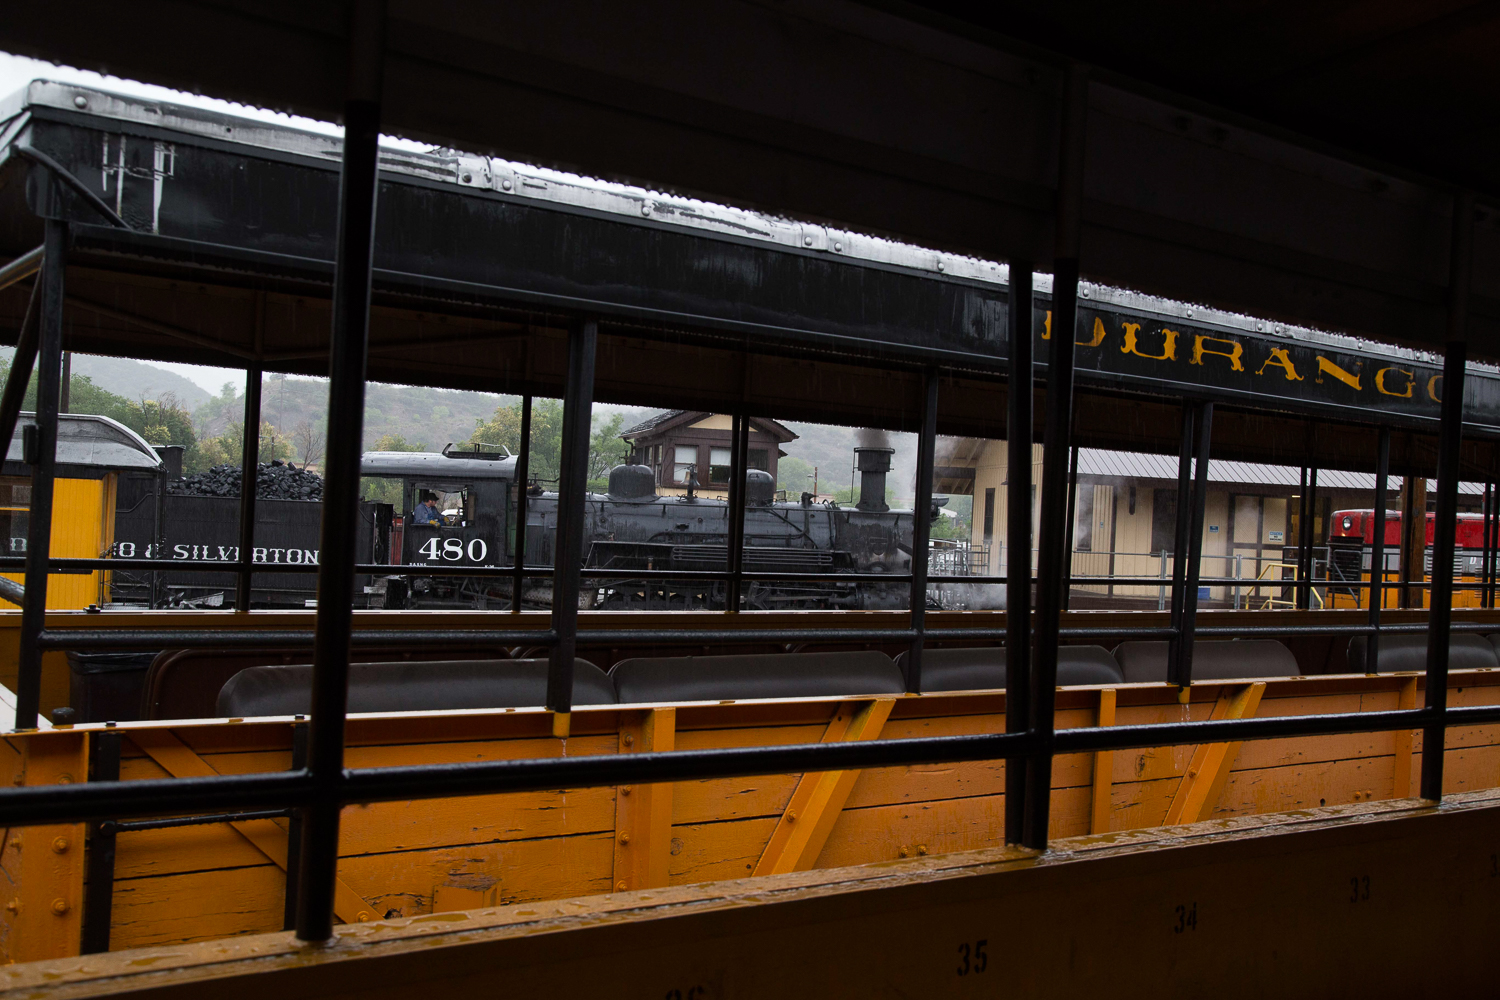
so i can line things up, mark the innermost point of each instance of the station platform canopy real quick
(1293, 162)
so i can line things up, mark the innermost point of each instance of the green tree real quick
(606, 450)
(159, 421)
(395, 442)
(795, 475)
(503, 429)
(227, 448)
(220, 410)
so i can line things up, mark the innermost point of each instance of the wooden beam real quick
(1104, 768)
(1403, 762)
(1208, 771)
(45, 917)
(178, 760)
(643, 813)
(819, 798)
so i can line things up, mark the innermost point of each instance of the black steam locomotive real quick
(474, 495)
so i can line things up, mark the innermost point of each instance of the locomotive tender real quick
(628, 528)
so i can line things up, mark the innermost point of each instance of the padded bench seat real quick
(1145, 661)
(1401, 653)
(982, 669)
(411, 686)
(654, 679)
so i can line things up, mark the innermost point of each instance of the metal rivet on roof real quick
(838, 247)
(807, 241)
(468, 178)
(80, 101)
(646, 208)
(505, 184)
(940, 265)
(1084, 292)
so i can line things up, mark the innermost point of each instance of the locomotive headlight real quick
(1348, 522)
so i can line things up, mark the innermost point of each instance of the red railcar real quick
(1350, 549)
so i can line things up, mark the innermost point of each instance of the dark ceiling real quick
(1409, 83)
(1296, 161)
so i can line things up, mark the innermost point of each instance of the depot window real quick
(718, 465)
(686, 463)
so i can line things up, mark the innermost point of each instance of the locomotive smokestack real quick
(873, 464)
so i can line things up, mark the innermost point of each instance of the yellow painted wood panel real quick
(1303, 786)
(80, 530)
(521, 871)
(705, 852)
(881, 833)
(197, 906)
(185, 849)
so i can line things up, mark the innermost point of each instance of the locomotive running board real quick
(1336, 900)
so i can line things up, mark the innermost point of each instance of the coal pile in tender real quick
(273, 481)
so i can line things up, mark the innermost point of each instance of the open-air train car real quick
(180, 234)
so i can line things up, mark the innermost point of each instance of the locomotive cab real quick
(471, 490)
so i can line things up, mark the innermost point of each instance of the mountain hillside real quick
(135, 380)
(294, 411)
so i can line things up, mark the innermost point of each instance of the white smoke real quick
(968, 596)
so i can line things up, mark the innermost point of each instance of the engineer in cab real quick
(427, 511)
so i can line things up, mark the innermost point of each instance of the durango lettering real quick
(1324, 365)
(1280, 359)
(1380, 385)
(1233, 355)
(1168, 349)
(1097, 338)
(1293, 362)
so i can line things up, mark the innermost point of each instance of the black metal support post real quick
(1180, 668)
(1312, 534)
(64, 393)
(1494, 550)
(1377, 548)
(21, 366)
(1068, 547)
(734, 544)
(1300, 574)
(1181, 525)
(41, 452)
(921, 528)
(523, 471)
(158, 533)
(1018, 441)
(1308, 539)
(1445, 519)
(294, 833)
(348, 353)
(1484, 542)
(1056, 444)
(578, 408)
(1487, 570)
(99, 889)
(249, 472)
